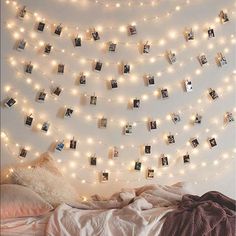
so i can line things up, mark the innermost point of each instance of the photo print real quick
(111, 47)
(147, 149)
(171, 57)
(60, 68)
(41, 26)
(221, 59)
(77, 42)
(29, 120)
(213, 94)
(212, 142)
(152, 125)
(211, 33)
(22, 12)
(23, 152)
(164, 93)
(82, 79)
(29, 68)
(73, 143)
(136, 103)
(194, 142)
(132, 30)
(150, 80)
(189, 35)
(128, 129)
(188, 86)
(58, 30)
(164, 160)
(60, 146)
(202, 60)
(45, 126)
(103, 123)
(68, 113)
(42, 96)
(175, 118)
(223, 17)
(114, 83)
(47, 48)
(95, 35)
(170, 139)
(138, 165)
(98, 66)
(186, 158)
(93, 160)
(229, 117)
(115, 152)
(57, 91)
(21, 45)
(150, 173)
(198, 119)
(146, 48)
(104, 176)
(10, 102)
(126, 69)
(93, 100)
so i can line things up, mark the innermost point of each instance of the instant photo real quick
(73, 144)
(41, 26)
(112, 47)
(98, 66)
(164, 93)
(29, 120)
(211, 33)
(82, 79)
(47, 49)
(114, 84)
(172, 57)
(23, 152)
(115, 152)
(132, 30)
(10, 102)
(152, 125)
(126, 69)
(60, 146)
(150, 173)
(186, 158)
(198, 119)
(175, 118)
(146, 48)
(202, 60)
(128, 129)
(164, 161)
(60, 68)
(213, 94)
(77, 42)
(21, 45)
(171, 139)
(93, 100)
(194, 142)
(103, 123)
(138, 165)
(29, 68)
(45, 126)
(42, 96)
(22, 12)
(95, 35)
(57, 91)
(229, 117)
(68, 113)
(188, 86)
(212, 142)
(104, 176)
(93, 161)
(58, 30)
(150, 80)
(189, 35)
(221, 60)
(136, 103)
(223, 17)
(147, 149)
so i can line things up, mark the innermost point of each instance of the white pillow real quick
(19, 201)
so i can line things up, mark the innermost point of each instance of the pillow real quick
(19, 201)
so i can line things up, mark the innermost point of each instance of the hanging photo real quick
(93, 161)
(68, 113)
(164, 161)
(188, 86)
(82, 79)
(77, 42)
(164, 93)
(136, 103)
(126, 69)
(10, 102)
(41, 26)
(29, 120)
(147, 149)
(48, 49)
(58, 30)
(98, 66)
(150, 173)
(60, 68)
(112, 47)
(95, 35)
(171, 57)
(152, 125)
(138, 165)
(57, 91)
(229, 117)
(213, 94)
(146, 48)
(42, 96)
(60, 146)
(221, 60)
(104, 176)
(198, 119)
(186, 158)
(93, 100)
(170, 139)
(212, 142)
(128, 129)
(73, 143)
(150, 80)
(194, 142)
(132, 30)
(45, 126)
(23, 152)
(22, 12)
(202, 60)
(21, 45)
(103, 123)
(189, 35)
(29, 68)
(115, 152)
(211, 33)
(175, 118)
(114, 83)
(223, 17)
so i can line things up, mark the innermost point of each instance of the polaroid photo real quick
(164, 93)
(22, 12)
(10, 102)
(93, 160)
(221, 60)
(78, 42)
(104, 176)
(150, 173)
(147, 149)
(60, 68)
(29, 68)
(146, 48)
(170, 139)
(164, 161)
(68, 113)
(73, 143)
(223, 17)
(58, 30)
(82, 79)
(138, 165)
(29, 120)
(136, 103)
(98, 66)
(152, 125)
(202, 60)
(128, 129)
(189, 35)
(41, 96)
(198, 119)
(114, 83)
(23, 152)
(112, 47)
(45, 126)
(172, 57)
(57, 91)
(21, 45)
(103, 123)
(212, 142)
(194, 142)
(41, 26)
(175, 118)
(115, 152)
(188, 86)
(211, 33)
(126, 69)
(229, 117)
(213, 94)
(60, 146)
(132, 30)
(186, 158)
(93, 100)
(95, 35)
(47, 49)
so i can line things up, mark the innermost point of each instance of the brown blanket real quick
(212, 214)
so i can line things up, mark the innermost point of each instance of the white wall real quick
(210, 169)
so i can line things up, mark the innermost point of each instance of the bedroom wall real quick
(210, 168)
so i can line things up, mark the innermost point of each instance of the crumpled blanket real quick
(212, 214)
